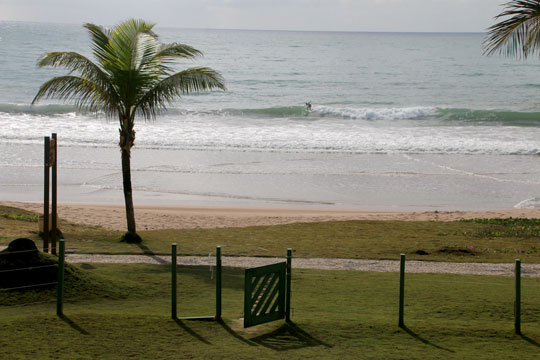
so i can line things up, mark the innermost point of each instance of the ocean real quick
(399, 121)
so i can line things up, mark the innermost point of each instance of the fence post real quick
(517, 304)
(46, 186)
(60, 285)
(53, 148)
(401, 323)
(288, 290)
(173, 281)
(218, 283)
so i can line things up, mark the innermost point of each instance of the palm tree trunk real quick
(127, 139)
(128, 193)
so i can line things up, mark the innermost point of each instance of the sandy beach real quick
(167, 217)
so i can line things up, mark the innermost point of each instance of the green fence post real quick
(60, 285)
(288, 290)
(517, 304)
(218, 283)
(401, 289)
(173, 282)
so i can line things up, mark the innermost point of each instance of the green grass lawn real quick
(336, 314)
(472, 241)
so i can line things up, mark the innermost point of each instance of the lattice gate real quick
(267, 293)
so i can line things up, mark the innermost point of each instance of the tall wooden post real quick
(46, 187)
(50, 162)
(54, 194)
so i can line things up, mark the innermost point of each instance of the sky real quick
(306, 15)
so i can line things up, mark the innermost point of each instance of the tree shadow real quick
(191, 332)
(232, 278)
(73, 325)
(288, 337)
(529, 340)
(425, 341)
(146, 251)
(234, 334)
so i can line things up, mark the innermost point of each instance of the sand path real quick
(528, 270)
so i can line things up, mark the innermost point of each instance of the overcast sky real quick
(334, 15)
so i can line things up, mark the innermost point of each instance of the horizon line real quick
(263, 30)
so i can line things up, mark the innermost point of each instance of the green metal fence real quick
(174, 292)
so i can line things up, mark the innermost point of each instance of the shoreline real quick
(159, 217)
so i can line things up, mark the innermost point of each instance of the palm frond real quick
(74, 62)
(125, 42)
(175, 50)
(183, 82)
(167, 54)
(84, 93)
(518, 35)
(100, 43)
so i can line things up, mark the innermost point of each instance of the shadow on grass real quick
(529, 340)
(71, 323)
(234, 334)
(425, 341)
(288, 337)
(232, 278)
(191, 332)
(146, 251)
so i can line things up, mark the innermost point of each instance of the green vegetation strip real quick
(336, 314)
(479, 240)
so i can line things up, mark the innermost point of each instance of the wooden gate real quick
(264, 297)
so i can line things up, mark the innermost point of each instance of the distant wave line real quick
(436, 115)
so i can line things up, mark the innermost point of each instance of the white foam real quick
(367, 113)
(332, 134)
(533, 203)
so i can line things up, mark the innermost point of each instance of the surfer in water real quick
(308, 106)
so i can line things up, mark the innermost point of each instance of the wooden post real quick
(46, 195)
(53, 163)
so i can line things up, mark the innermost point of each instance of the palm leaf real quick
(125, 42)
(518, 35)
(100, 44)
(183, 82)
(84, 93)
(74, 62)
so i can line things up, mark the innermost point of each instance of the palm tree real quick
(519, 34)
(132, 76)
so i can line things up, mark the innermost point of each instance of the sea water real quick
(397, 121)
